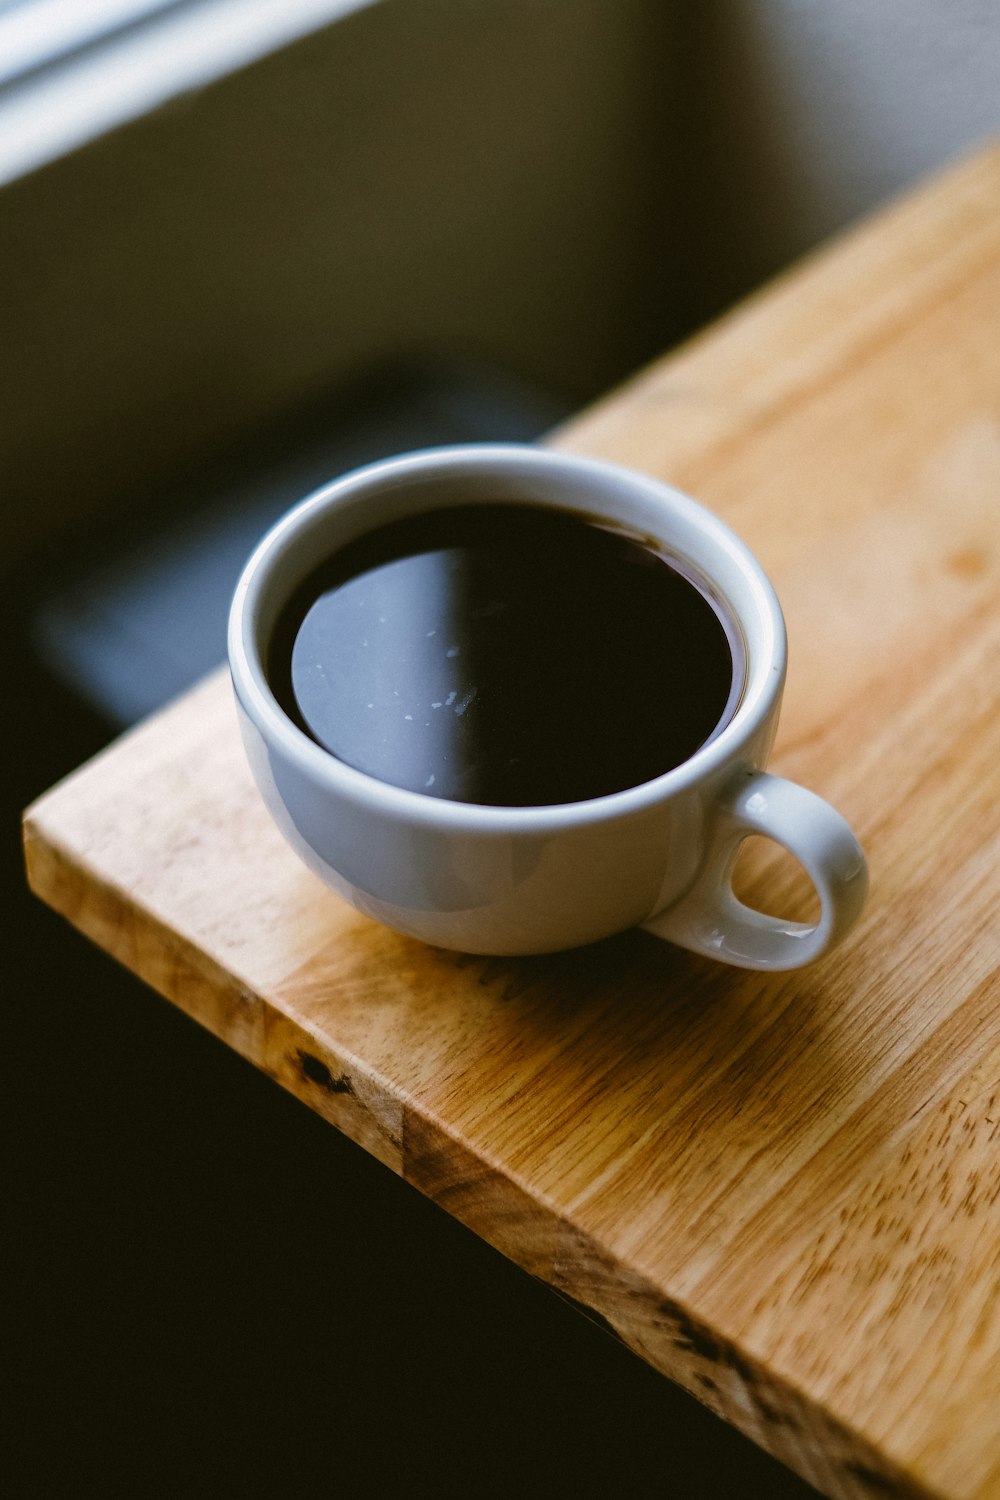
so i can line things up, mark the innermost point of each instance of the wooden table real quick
(783, 1191)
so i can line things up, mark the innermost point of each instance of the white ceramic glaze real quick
(536, 879)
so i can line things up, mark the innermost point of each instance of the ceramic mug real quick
(517, 880)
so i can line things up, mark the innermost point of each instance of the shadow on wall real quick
(553, 194)
(804, 116)
(420, 179)
(557, 191)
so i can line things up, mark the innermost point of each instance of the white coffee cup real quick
(517, 880)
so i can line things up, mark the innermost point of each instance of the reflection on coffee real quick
(505, 654)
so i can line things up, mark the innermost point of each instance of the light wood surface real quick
(781, 1190)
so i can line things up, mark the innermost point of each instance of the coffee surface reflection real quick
(504, 654)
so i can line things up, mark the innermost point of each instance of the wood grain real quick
(781, 1190)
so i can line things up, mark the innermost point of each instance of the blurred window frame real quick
(71, 70)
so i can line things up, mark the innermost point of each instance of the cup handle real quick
(710, 919)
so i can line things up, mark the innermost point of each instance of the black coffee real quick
(503, 654)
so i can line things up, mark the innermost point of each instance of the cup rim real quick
(534, 466)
